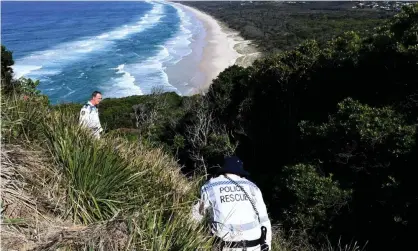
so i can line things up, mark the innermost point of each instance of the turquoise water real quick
(119, 48)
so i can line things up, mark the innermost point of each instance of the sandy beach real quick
(223, 47)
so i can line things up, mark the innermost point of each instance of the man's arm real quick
(200, 208)
(99, 125)
(84, 118)
(265, 221)
(269, 234)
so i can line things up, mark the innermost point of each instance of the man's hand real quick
(197, 211)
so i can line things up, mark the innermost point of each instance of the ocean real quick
(118, 48)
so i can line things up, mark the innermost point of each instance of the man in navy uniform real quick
(236, 208)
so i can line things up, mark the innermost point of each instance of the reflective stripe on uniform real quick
(247, 226)
(228, 182)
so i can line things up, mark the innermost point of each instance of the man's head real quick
(233, 165)
(96, 98)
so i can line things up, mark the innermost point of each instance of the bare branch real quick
(199, 132)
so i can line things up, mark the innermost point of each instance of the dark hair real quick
(95, 93)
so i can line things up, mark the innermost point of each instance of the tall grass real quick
(20, 116)
(98, 180)
(172, 232)
(124, 195)
(111, 176)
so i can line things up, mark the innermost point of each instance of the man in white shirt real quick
(89, 114)
(236, 208)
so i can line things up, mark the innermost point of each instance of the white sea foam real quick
(21, 70)
(123, 85)
(179, 45)
(61, 55)
(81, 75)
(70, 91)
(150, 74)
(141, 78)
(130, 79)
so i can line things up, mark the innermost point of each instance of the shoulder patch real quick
(83, 112)
(86, 108)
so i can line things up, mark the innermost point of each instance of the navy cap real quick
(233, 165)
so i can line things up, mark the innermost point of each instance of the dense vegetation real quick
(328, 131)
(278, 26)
(336, 128)
(63, 190)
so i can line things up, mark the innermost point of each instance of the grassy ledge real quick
(62, 189)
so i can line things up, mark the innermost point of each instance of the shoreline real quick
(214, 47)
(223, 48)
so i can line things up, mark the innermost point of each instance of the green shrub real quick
(309, 200)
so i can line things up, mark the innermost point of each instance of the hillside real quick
(328, 130)
(63, 190)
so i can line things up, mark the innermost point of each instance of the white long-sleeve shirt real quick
(89, 117)
(233, 216)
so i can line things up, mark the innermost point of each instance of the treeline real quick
(328, 132)
(278, 26)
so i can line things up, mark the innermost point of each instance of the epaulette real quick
(88, 105)
(85, 106)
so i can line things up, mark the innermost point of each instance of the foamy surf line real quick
(179, 46)
(148, 76)
(53, 60)
(123, 85)
(141, 78)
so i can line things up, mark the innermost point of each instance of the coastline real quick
(190, 69)
(223, 47)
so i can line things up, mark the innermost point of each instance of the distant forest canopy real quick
(279, 26)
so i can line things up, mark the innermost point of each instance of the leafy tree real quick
(6, 69)
(309, 198)
(368, 150)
